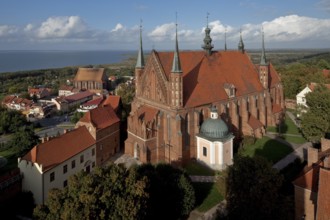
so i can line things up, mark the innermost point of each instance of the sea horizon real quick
(29, 60)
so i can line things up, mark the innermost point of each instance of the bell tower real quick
(176, 76)
(264, 66)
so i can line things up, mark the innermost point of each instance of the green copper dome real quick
(214, 128)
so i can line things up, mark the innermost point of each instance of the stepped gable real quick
(204, 75)
(101, 117)
(60, 149)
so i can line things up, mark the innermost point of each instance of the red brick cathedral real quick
(175, 92)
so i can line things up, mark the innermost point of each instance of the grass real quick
(288, 127)
(207, 196)
(294, 139)
(11, 160)
(196, 169)
(269, 148)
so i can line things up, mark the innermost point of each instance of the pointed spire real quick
(241, 44)
(263, 60)
(225, 39)
(176, 66)
(207, 40)
(140, 58)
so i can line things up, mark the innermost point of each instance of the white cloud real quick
(162, 32)
(28, 27)
(6, 30)
(118, 28)
(61, 27)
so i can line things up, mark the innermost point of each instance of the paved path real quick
(299, 152)
(203, 179)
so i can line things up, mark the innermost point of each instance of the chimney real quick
(312, 155)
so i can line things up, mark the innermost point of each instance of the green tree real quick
(111, 192)
(253, 188)
(23, 140)
(315, 124)
(171, 193)
(76, 117)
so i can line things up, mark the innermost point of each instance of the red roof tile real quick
(254, 123)
(309, 180)
(113, 100)
(101, 117)
(204, 76)
(66, 87)
(60, 149)
(323, 200)
(312, 86)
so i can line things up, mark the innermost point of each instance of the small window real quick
(52, 176)
(204, 151)
(65, 168)
(93, 164)
(93, 151)
(81, 158)
(73, 164)
(65, 183)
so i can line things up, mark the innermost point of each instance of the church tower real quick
(240, 43)
(176, 77)
(139, 67)
(208, 46)
(263, 66)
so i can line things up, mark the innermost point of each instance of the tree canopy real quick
(315, 123)
(114, 192)
(11, 120)
(253, 188)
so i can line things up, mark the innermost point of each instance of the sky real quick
(115, 25)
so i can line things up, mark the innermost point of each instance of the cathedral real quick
(186, 99)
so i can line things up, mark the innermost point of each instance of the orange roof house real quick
(104, 125)
(181, 86)
(49, 165)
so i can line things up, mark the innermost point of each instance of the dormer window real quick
(230, 90)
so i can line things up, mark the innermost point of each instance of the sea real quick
(21, 60)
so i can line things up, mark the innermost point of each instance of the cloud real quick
(162, 32)
(6, 30)
(61, 27)
(118, 28)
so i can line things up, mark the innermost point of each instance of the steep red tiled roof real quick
(60, 149)
(113, 100)
(101, 117)
(204, 76)
(8, 99)
(323, 200)
(146, 113)
(90, 74)
(254, 123)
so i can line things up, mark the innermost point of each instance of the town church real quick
(194, 104)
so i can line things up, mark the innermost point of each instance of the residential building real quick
(87, 106)
(65, 103)
(66, 90)
(93, 79)
(175, 90)
(15, 103)
(311, 188)
(301, 97)
(115, 102)
(104, 126)
(49, 164)
(39, 92)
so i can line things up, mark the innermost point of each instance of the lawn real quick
(207, 196)
(288, 127)
(196, 169)
(11, 160)
(271, 149)
(294, 139)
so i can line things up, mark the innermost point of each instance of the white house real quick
(49, 164)
(301, 97)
